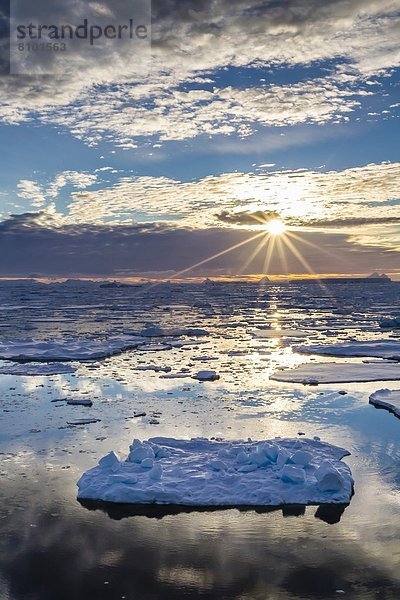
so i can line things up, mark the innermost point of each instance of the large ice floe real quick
(200, 472)
(315, 373)
(33, 369)
(65, 349)
(373, 348)
(387, 399)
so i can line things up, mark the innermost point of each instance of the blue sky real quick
(291, 113)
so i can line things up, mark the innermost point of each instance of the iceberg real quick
(387, 399)
(201, 472)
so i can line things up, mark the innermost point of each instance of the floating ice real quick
(32, 369)
(173, 332)
(79, 402)
(278, 333)
(155, 368)
(200, 472)
(65, 349)
(374, 348)
(206, 376)
(84, 421)
(315, 373)
(390, 323)
(387, 399)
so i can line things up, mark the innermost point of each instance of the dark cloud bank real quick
(26, 247)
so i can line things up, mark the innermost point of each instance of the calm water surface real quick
(52, 548)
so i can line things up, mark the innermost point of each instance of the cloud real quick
(39, 195)
(301, 197)
(343, 200)
(247, 218)
(30, 190)
(352, 222)
(110, 101)
(39, 243)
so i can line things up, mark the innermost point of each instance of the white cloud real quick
(32, 191)
(304, 198)
(179, 115)
(39, 194)
(360, 37)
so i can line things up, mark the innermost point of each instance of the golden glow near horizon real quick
(275, 227)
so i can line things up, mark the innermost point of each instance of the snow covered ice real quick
(387, 399)
(316, 373)
(200, 472)
(64, 349)
(206, 376)
(33, 369)
(375, 348)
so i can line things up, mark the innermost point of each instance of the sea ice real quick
(80, 402)
(374, 348)
(315, 373)
(173, 332)
(84, 421)
(200, 472)
(36, 369)
(390, 323)
(206, 376)
(65, 349)
(155, 368)
(278, 333)
(387, 399)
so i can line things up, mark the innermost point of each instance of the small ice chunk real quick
(329, 479)
(271, 451)
(206, 376)
(80, 402)
(140, 453)
(243, 458)
(293, 474)
(302, 458)
(110, 461)
(147, 463)
(282, 458)
(161, 452)
(259, 458)
(83, 421)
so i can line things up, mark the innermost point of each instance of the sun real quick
(275, 227)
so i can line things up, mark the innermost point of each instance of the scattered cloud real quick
(39, 195)
(301, 197)
(32, 191)
(177, 101)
